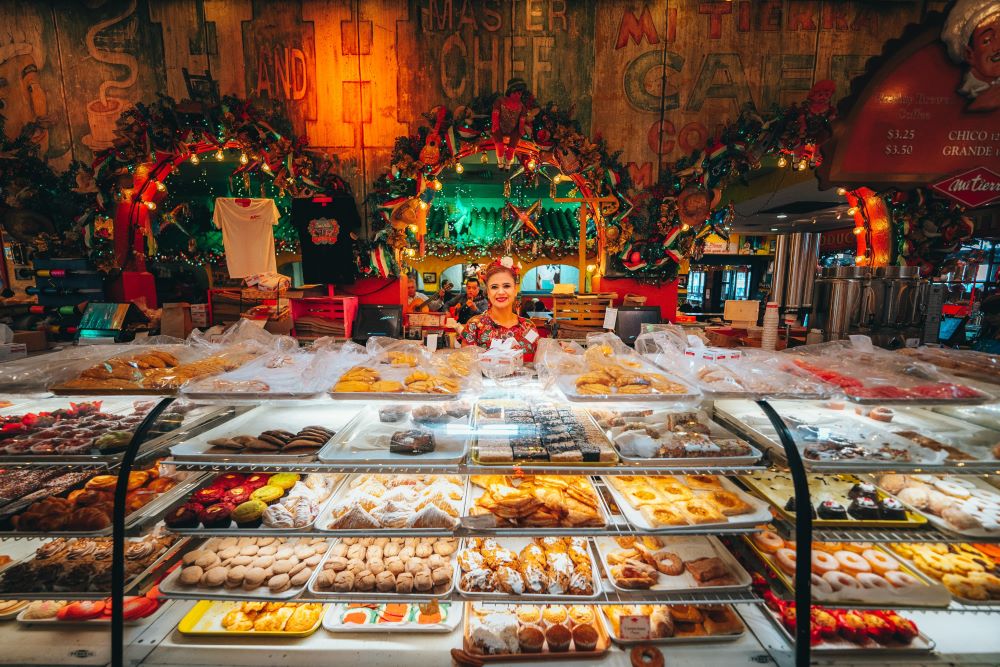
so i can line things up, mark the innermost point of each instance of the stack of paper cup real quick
(769, 339)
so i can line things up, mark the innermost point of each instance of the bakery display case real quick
(546, 529)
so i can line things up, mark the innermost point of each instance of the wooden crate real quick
(317, 316)
(576, 316)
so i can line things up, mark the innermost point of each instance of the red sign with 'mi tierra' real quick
(929, 109)
(973, 188)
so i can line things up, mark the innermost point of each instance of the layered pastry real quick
(292, 617)
(566, 501)
(398, 501)
(515, 431)
(547, 565)
(680, 501)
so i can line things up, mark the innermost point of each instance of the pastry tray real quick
(921, 644)
(451, 441)
(130, 583)
(963, 600)
(374, 595)
(515, 544)
(717, 433)
(205, 620)
(603, 644)
(933, 593)
(92, 622)
(582, 415)
(451, 621)
(324, 517)
(14, 613)
(254, 422)
(704, 545)
(769, 493)
(170, 586)
(567, 385)
(117, 405)
(396, 374)
(262, 530)
(475, 492)
(944, 526)
(697, 639)
(155, 507)
(760, 515)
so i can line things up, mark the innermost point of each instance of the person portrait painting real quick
(972, 34)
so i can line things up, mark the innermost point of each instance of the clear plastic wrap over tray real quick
(406, 370)
(867, 374)
(962, 363)
(739, 373)
(608, 370)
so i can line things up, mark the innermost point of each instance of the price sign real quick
(634, 628)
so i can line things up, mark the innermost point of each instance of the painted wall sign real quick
(926, 109)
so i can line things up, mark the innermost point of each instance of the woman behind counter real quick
(500, 321)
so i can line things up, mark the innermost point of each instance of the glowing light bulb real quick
(484, 159)
(841, 191)
(424, 205)
(411, 252)
(802, 165)
(412, 228)
(531, 164)
(558, 178)
(219, 154)
(852, 211)
(161, 186)
(243, 158)
(782, 162)
(685, 227)
(195, 159)
(436, 185)
(266, 167)
(859, 260)
(459, 168)
(857, 230)
(151, 205)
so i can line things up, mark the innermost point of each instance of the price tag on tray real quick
(634, 628)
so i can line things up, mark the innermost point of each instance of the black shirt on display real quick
(324, 225)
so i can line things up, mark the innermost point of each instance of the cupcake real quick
(237, 494)
(559, 637)
(831, 509)
(585, 637)
(863, 490)
(268, 493)
(892, 509)
(185, 516)
(218, 515)
(284, 480)
(864, 509)
(530, 638)
(249, 514)
(555, 614)
(208, 495)
(529, 614)
(229, 480)
(256, 480)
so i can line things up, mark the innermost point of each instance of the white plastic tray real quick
(366, 440)
(323, 520)
(698, 639)
(760, 515)
(451, 621)
(688, 547)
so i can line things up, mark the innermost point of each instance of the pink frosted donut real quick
(852, 563)
(768, 541)
(880, 561)
(871, 581)
(901, 579)
(820, 586)
(823, 562)
(786, 558)
(840, 581)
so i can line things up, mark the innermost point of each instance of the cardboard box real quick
(199, 315)
(176, 320)
(35, 341)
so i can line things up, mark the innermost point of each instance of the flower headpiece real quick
(506, 263)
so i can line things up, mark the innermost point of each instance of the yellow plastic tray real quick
(205, 620)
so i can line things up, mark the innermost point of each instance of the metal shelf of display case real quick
(606, 596)
(460, 469)
(883, 535)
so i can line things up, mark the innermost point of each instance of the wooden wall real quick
(654, 78)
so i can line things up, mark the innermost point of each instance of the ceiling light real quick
(774, 229)
(781, 216)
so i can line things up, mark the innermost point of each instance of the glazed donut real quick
(871, 581)
(851, 562)
(951, 488)
(822, 562)
(820, 586)
(900, 579)
(881, 414)
(785, 558)
(646, 656)
(839, 581)
(768, 541)
(880, 561)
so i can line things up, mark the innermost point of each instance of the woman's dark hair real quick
(498, 268)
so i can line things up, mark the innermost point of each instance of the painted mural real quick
(655, 79)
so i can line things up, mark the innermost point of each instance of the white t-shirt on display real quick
(247, 235)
